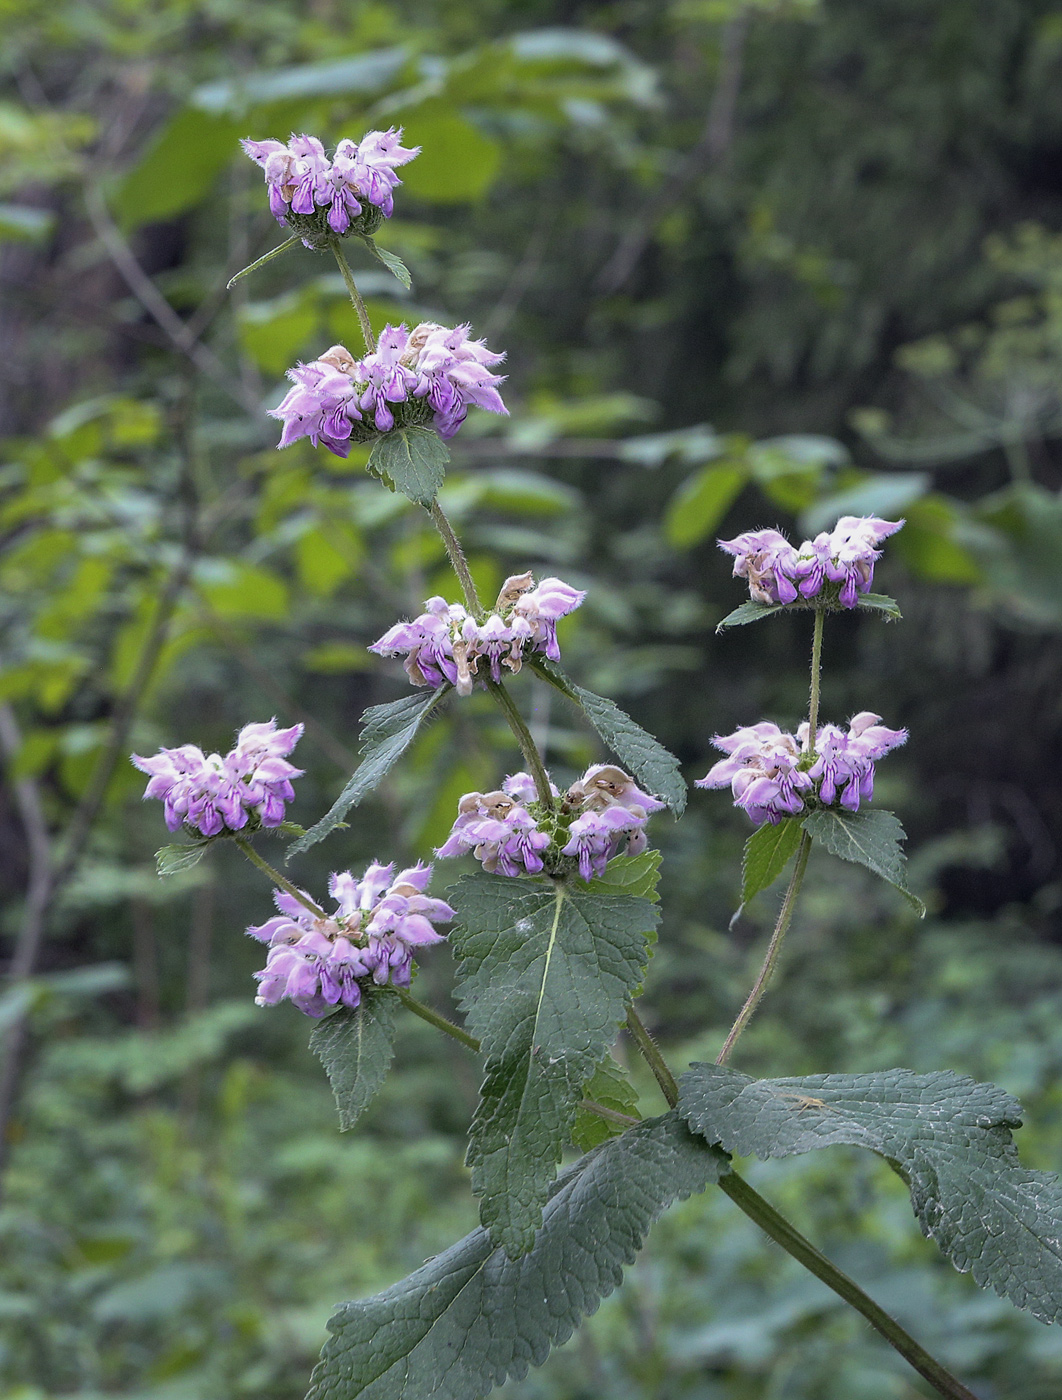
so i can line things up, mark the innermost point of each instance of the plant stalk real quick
(261, 262)
(785, 915)
(804, 1252)
(528, 747)
(434, 1018)
(650, 1052)
(355, 296)
(456, 554)
(816, 673)
(278, 879)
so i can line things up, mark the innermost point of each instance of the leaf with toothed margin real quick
(881, 603)
(749, 612)
(767, 853)
(655, 768)
(754, 612)
(871, 838)
(411, 460)
(947, 1136)
(356, 1047)
(545, 972)
(175, 860)
(388, 731)
(638, 875)
(471, 1318)
(391, 261)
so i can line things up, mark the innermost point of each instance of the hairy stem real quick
(261, 262)
(278, 879)
(528, 747)
(456, 554)
(793, 1242)
(785, 915)
(650, 1052)
(355, 296)
(434, 1018)
(816, 674)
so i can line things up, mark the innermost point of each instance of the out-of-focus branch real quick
(710, 151)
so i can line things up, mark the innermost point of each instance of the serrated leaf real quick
(546, 970)
(749, 612)
(871, 838)
(947, 1136)
(411, 460)
(174, 860)
(391, 261)
(767, 853)
(882, 603)
(610, 1087)
(356, 1047)
(637, 875)
(472, 1317)
(388, 731)
(654, 767)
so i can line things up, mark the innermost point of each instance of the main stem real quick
(816, 673)
(785, 915)
(355, 296)
(441, 522)
(650, 1052)
(528, 747)
(793, 1242)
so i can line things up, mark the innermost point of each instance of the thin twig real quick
(367, 333)
(528, 747)
(456, 555)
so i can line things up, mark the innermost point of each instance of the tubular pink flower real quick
(779, 574)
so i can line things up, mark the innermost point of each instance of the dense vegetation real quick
(827, 231)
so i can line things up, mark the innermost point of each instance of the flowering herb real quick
(836, 567)
(446, 643)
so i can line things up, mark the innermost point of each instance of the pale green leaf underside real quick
(546, 970)
(388, 731)
(638, 875)
(871, 838)
(767, 852)
(392, 262)
(656, 769)
(411, 460)
(175, 860)
(472, 1317)
(948, 1137)
(610, 1086)
(748, 612)
(356, 1048)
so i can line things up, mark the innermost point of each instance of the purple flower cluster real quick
(307, 190)
(429, 373)
(845, 557)
(318, 960)
(445, 643)
(774, 775)
(601, 816)
(210, 793)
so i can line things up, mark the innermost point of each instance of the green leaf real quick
(362, 73)
(471, 1317)
(610, 1087)
(456, 163)
(749, 612)
(175, 860)
(356, 1048)
(871, 838)
(767, 852)
(22, 223)
(546, 970)
(388, 731)
(947, 1136)
(178, 168)
(702, 501)
(637, 875)
(654, 767)
(413, 460)
(882, 603)
(391, 261)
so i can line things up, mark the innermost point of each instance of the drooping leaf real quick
(767, 852)
(881, 603)
(388, 732)
(871, 838)
(178, 167)
(947, 1136)
(355, 1048)
(638, 875)
(391, 261)
(748, 612)
(174, 860)
(472, 1317)
(546, 970)
(411, 460)
(655, 768)
(609, 1086)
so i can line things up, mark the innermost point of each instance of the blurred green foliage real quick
(842, 296)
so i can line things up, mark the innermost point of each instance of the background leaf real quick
(356, 1048)
(472, 1317)
(948, 1137)
(388, 731)
(702, 502)
(413, 460)
(871, 838)
(546, 970)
